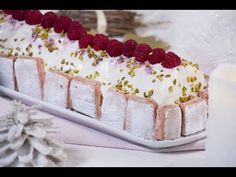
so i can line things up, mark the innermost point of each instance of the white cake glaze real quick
(28, 78)
(83, 97)
(113, 108)
(55, 89)
(6, 73)
(140, 118)
(17, 38)
(194, 116)
(173, 118)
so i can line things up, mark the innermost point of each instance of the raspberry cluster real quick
(48, 19)
(61, 24)
(75, 31)
(33, 17)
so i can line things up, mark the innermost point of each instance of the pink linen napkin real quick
(73, 133)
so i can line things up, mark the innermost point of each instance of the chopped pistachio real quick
(160, 77)
(193, 78)
(68, 71)
(131, 73)
(18, 49)
(196, 88)
(174, 82)
(154, 72)
(130, 86)
(139, 66)
(9, 52)
(188, 79)
(125, 91)
(150, 93)
(71, 54)
(146, 65)
(136, 90)
(126, 82)
(177, 102)
(76, 54)
(62, 34)
(145, 95)
(170, 89)
(76, 71)
(52, 48)
(63, 61)
(168, 75)
(96, 74)
(184, 90)
(184, 99)
(91, 53)
(119, 86)
(206, 76)
(81, 57)
(43, 35)
(196, 66)
(103, 54)
(154, 80)
(2, 20)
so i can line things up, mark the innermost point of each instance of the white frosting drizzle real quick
(108, 71)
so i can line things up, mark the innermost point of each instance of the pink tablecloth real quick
(73, 133)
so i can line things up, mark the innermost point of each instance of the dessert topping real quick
(33, 17)
(75, 31)
(48, 19)
(129, 47)
(171, 60)
(85, 41)
(141, 52)
(114, 48)
(157, 56)
(100, 42)
(62, 24)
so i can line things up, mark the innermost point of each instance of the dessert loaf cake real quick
(148, 92)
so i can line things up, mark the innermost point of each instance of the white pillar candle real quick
(221, 126)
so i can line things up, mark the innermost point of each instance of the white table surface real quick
(87, 156)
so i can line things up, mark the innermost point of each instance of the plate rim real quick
(100, 126)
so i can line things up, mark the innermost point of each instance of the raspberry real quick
(171, 60)
(75, 31)
(62, 24)
(141, 52)
(114, 48)
(86, 40)
(9, 12)
(129, 47)
(33, 17)
(48, 19)
(157, 56)
(19, 14)
(100, 42)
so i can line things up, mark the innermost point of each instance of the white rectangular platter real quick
(99, 126)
